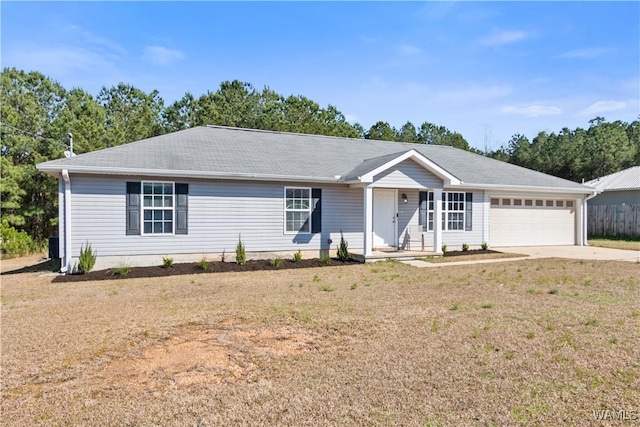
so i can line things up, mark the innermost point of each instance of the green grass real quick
(632, 244)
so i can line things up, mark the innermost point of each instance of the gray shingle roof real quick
(222, 151)
(628, 179)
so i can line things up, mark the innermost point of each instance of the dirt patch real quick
(197, 355)
(195, 268)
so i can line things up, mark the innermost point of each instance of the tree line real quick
(37, 113)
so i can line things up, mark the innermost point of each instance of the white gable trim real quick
(441, 173)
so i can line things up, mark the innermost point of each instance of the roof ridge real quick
(279, 132)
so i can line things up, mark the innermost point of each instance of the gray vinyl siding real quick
(219, 211)
(628, 197)
(407, 174)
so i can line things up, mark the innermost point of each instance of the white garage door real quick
(531, 222)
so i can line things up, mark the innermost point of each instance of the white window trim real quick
(510, 203)
(142, 210)
(446, 211)
(285, 210)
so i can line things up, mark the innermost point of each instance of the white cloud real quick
(604, 107)
(57, 60)
(534, 110)
(407, 49)
(587, 53)
(98, 43)
(350, 118)
(161, 55)
(503, 37)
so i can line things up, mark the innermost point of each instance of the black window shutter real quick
(182, 209)
(316, 213)
(422, 209)
(468, 210)
(133, 208)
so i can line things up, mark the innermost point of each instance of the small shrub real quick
(203, 263)
(241, 256)
(122, 270)
(531, 335)
(275, 262)
(591, 321)
(454, 307)
(87, 259)
(343, 248)
(167, 262)
(15, 243)
(326, 288)
(465, 247)
(223, 257)
(353, 286)
(316, 278)
(484, 246)
(553, 291)
(297, 257)
(487, 305)
(444, 249)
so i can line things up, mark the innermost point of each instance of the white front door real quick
(384, 218)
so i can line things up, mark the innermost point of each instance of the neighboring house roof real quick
(223, 152)
(628, 179)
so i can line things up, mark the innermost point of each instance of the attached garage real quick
(531, 222)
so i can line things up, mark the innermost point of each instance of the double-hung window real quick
(453, 210)
(456, 211)
(297, 210)
(157, 207)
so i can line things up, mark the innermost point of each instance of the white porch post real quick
(368, 220)
(584, 214)
(437, 221)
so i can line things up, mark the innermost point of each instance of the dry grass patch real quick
(390, 345)
(631, 245)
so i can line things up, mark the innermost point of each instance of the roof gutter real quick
(585, 215)
(66, 267)
(533, 189)
(55, 170)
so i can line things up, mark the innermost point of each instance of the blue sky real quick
(485, 69)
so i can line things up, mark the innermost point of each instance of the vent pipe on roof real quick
(69, 153)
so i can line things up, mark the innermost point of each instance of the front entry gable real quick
(407, 174)
(409, 169)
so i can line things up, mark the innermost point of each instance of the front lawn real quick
(535, 342)
(614, 243)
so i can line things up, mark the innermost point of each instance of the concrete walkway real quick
(536, 252)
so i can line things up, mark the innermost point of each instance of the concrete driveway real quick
(575, 252)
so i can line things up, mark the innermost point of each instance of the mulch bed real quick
(194, 268)
(470, 252)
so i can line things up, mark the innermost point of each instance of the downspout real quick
(66, 267)
(585, 216)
